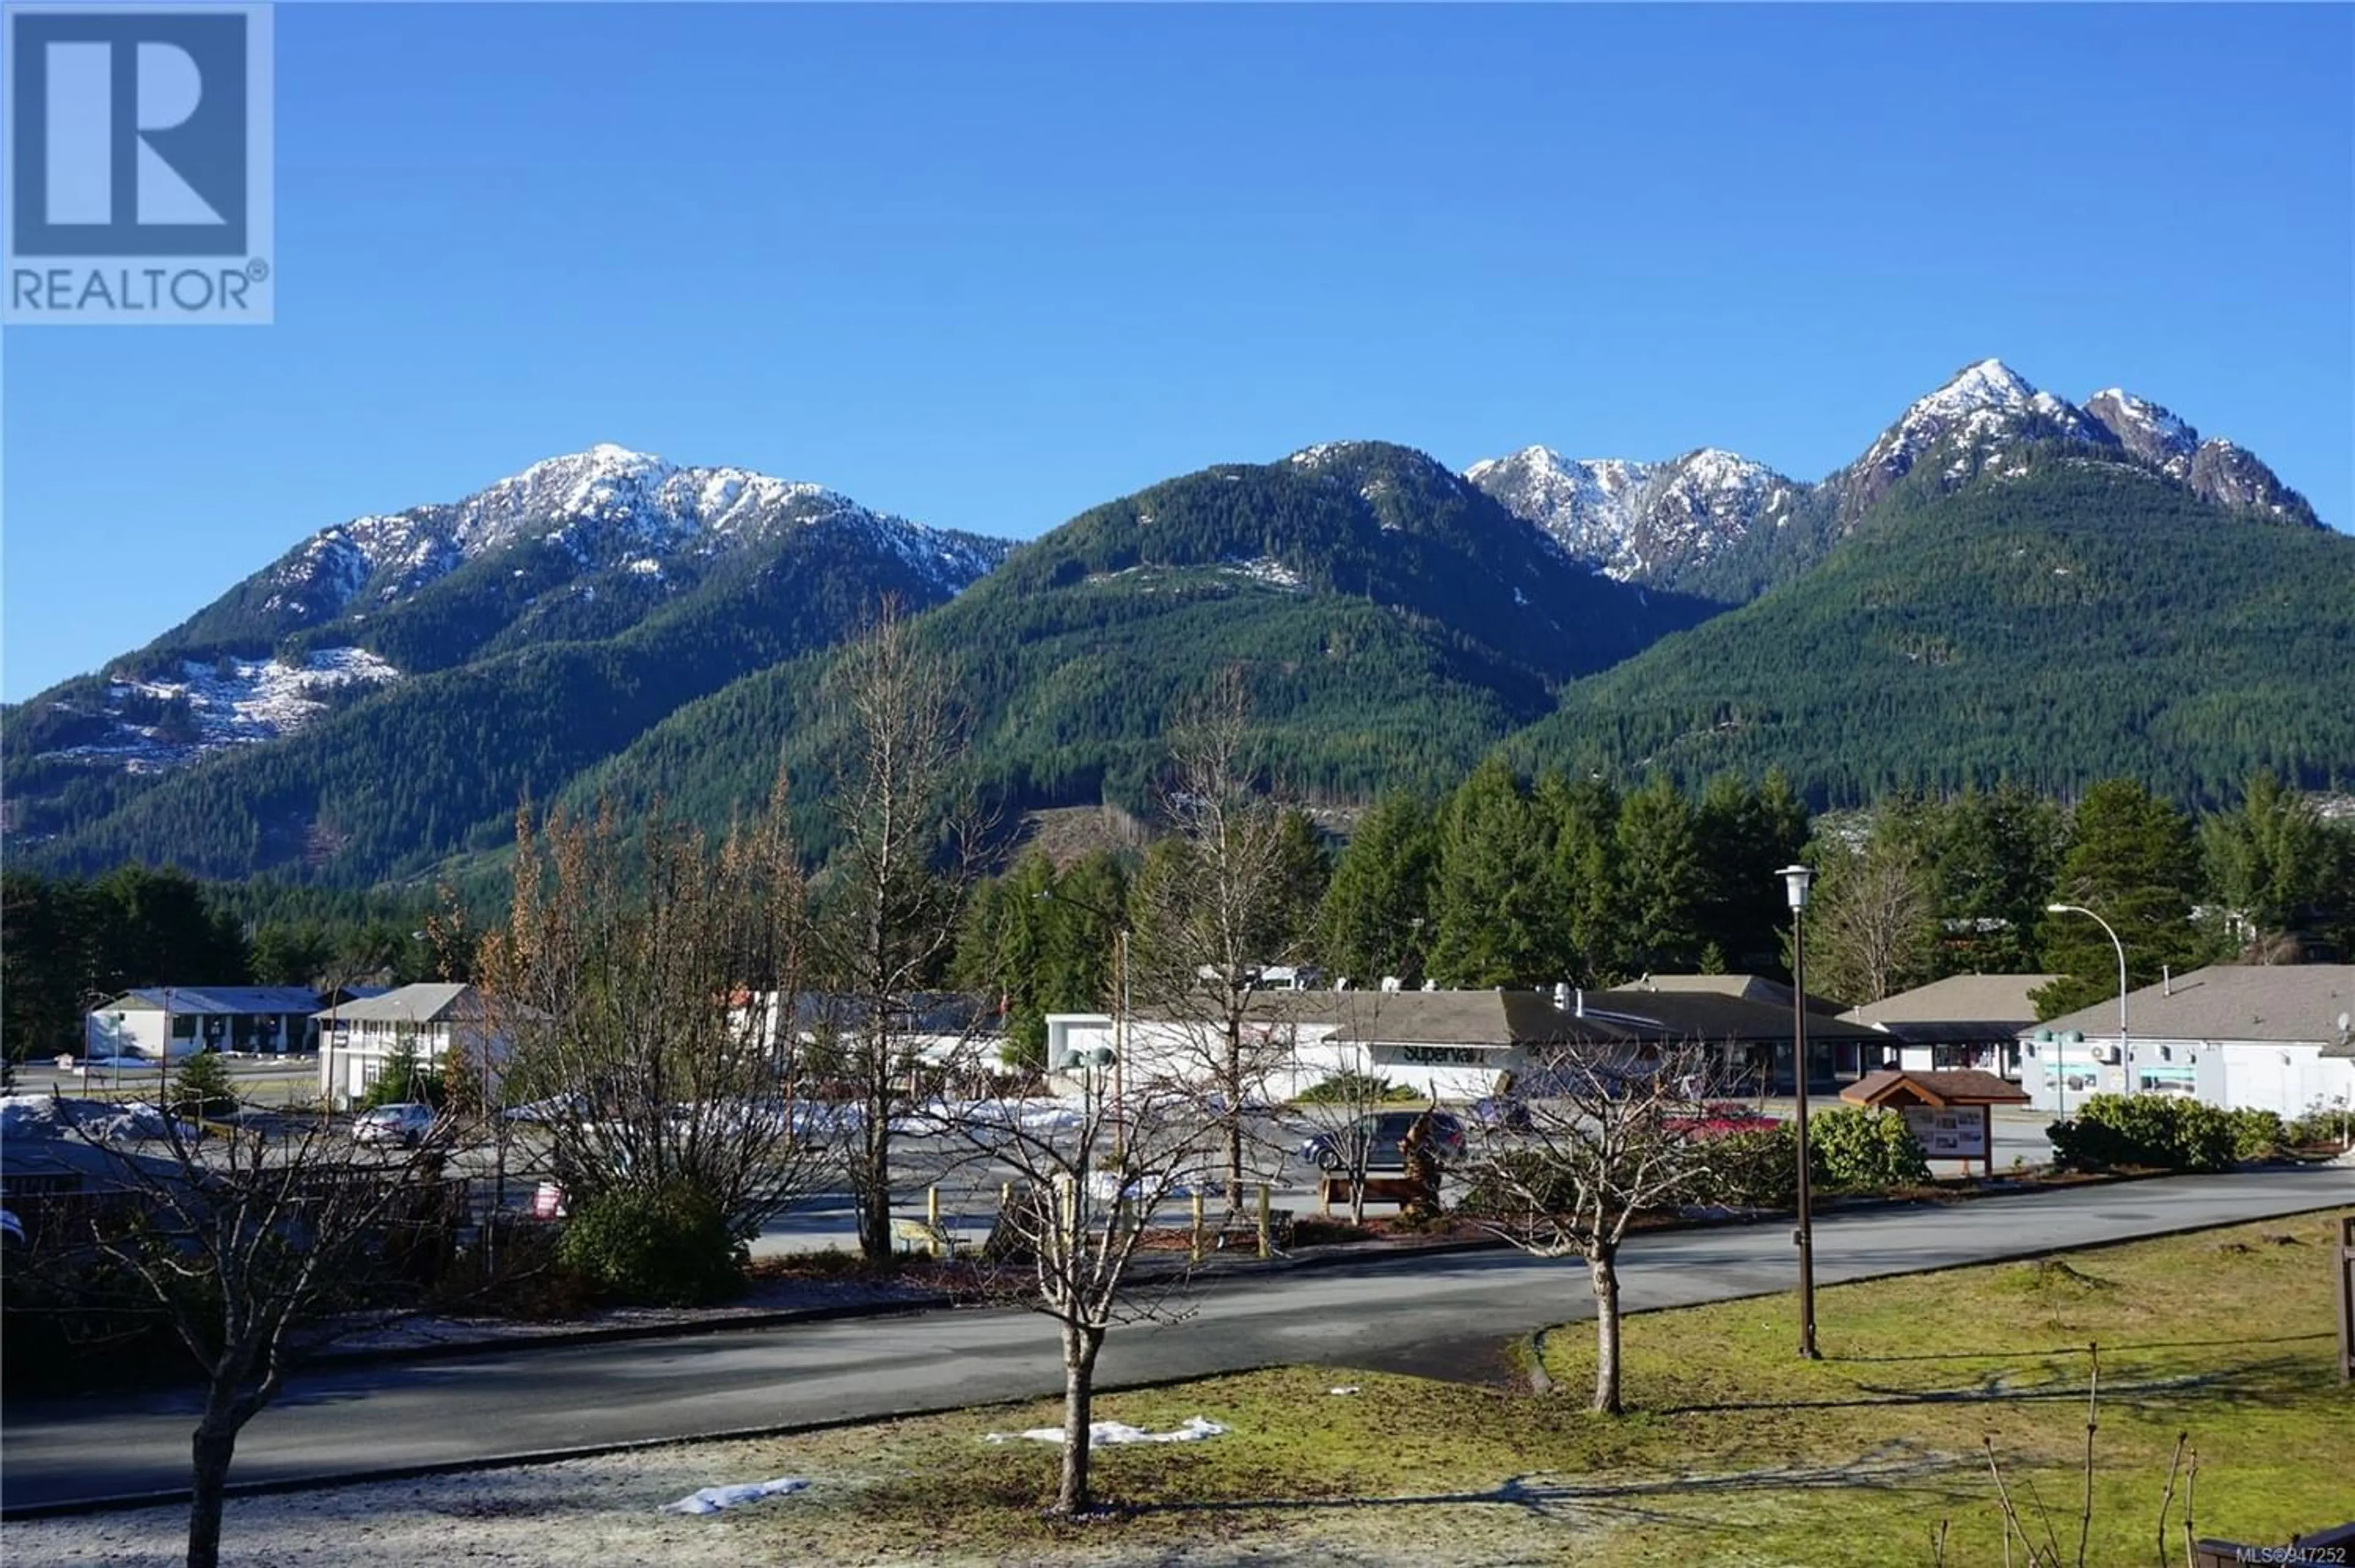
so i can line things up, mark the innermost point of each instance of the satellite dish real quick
(2342, 1023)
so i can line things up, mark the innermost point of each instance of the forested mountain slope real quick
(384, 695)
(2059, 617)
(1394, 622)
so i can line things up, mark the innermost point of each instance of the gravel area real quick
(608, 1510)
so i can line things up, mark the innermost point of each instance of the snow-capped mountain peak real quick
(608, 506)
(1980, 409)
(1636, 521)
(1990, 384)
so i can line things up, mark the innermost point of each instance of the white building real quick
(432, 1021)
(2267, 1036)
(1457, 1045)
(171, 1021)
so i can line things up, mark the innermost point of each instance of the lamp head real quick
(2056, 909)
(1795, 879)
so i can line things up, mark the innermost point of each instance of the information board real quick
(1949, 1135)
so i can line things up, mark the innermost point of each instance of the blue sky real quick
(988, 267)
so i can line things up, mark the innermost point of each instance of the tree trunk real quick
(211, 1450)
(1234, 1088)
(872, 1185)
(1079, 1348)
(1605, 1267)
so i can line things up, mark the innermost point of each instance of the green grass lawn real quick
(1733, 1449)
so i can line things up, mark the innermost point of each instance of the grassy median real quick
(1733, 1447)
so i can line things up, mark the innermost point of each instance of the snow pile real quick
(1108, 1434)
(1039, 1116)
(711, 1500)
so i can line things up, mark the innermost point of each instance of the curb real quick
(1219, 1267)
(124, 1502)
(443, 1350)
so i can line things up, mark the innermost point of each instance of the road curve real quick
(475, 1408)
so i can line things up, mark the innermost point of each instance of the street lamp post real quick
(1795, 879)
(2125, 1051)
(1119, 1053)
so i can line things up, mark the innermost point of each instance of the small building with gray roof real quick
(1964, 1022)
(2278, 1038)
(432, 1021)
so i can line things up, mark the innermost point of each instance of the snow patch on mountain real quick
(1268, 569)
(2149, 432)
(1636, 520)
(608, 506)
(162, 720)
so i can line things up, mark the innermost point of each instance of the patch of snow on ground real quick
(1107, 1434)
(711, 1500)
(1268, 569)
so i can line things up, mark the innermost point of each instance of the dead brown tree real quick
(648, 990)
(1608, 1139)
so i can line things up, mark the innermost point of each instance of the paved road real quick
(1399, 1314)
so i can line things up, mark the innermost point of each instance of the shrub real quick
(2164, 1131)
(1757, 1169)
(2322, 1128)
(1328, 1233)
(1354, 1089)
(1851, 1150)
(201, 1088)
(1500, 1187)
(2258, 1135)
(665, 1247)
(405, 1081)
(514, 1270)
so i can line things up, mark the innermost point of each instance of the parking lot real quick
(966, 1184)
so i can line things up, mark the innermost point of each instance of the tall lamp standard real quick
(1119, 1053)
(1796, 880)
(2125, 1051)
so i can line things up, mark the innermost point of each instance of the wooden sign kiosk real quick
(1952, 1112)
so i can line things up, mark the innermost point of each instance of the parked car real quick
(1507, 1113)
(406, 1125)
(1378, 1134)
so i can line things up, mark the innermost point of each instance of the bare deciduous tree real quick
(1873, 927)
(1090, 1176)
(1218, 902)
(1333, 1108)
(908, 847)
(1607, 1141)
(242, 1236)
(649, 991)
